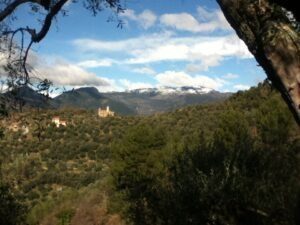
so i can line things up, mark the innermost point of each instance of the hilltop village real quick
(24, 128)
(102, 113)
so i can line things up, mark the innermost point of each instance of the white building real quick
(56, 120)
(105, 112)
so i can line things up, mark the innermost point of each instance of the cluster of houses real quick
(58, 122)
(15, 127)
(102, 113)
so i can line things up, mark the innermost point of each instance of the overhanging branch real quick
(12, 7)
(37, 37)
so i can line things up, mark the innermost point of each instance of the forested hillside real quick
(235, 162)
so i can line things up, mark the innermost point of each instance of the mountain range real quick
(139, 101)
(154, 100)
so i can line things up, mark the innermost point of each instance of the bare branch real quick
(24, 62)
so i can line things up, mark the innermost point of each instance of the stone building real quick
(105, 112)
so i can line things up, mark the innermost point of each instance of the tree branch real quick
(37, 37)
(11, 7)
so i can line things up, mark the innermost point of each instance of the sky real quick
(161, 43)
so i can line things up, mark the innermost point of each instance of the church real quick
(105, 112)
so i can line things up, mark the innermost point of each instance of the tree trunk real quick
(273, 40)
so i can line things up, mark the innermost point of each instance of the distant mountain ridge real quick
(90, 98)
(27, 97)
(174, 90)
(153, 100)
(144, 101)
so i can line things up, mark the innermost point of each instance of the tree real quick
(11, 212)
(272, 36)
(233, 177)
(17, 68)
(137, 167)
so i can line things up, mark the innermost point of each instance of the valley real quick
(146, 169)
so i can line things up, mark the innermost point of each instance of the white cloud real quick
(32, 59)
(204, 62)
(206, 15)
(180, 78)
(144, 70)
(230, 76)
(241, 87)
(93, 45)
(130, 14)
(217, 16)
(182, 21)
(62, 73)
(201, 52)
(95, 63)
(204, 21)
(113, 86)
(222, 46)
(146, 19)
(129, 85)
(204, 52)
(127, 45)
(118, 85)
(208, 21)
(160, 53)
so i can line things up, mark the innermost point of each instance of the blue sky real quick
(162, 43)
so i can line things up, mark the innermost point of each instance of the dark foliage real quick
(11, 211)
(245, 171)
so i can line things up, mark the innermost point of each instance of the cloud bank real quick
(205, 21)
(63, 73)
(205, 52)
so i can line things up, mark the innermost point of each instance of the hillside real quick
(26, 97)
(222, 160)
